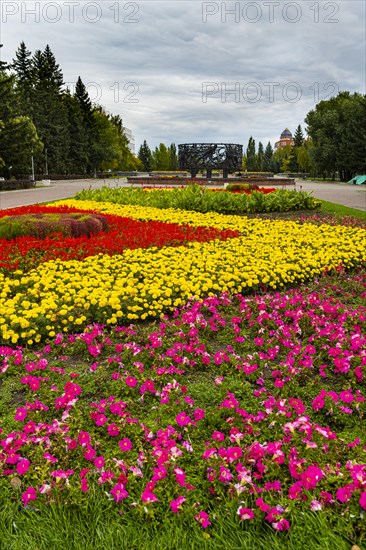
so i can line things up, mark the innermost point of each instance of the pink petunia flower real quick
(23, 466)
(125, 445)
(362, 500)
(30, 494)
(148, 496)
(90, 453)
(20, 414)
(182, 419)
(315, 505)
(49, 457)
(113, 430)
(119, 492)
(99, 462)
(218, 436)
(131, 381)
(282, 525)
(202, 518)
(311, 476)
(245, 513)
(84, 485)
(176, 504)
(343, 494)
(346, 396)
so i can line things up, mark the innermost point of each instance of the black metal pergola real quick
(210, 156)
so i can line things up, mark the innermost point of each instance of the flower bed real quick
(263, 190)
(237, 411)
(67, 294)
(194, 198)
(124, 233)
(247, 409)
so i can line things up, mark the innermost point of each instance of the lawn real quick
(193, 385)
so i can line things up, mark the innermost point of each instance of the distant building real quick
(285, 139)
(131, 139)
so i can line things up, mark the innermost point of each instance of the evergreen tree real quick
(268, 158)
(49, 112)
(260, 157)
(52, 75)
(293, 166)
(7, 95)
(298, 137)
(251, 156)
(82, 96)
(22, 67)
(78, 153)
(18, 135)
(173, 162)
(145, 156)
(3, 64)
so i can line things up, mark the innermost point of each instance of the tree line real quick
(161, 158)
(335, 144)
(60, 131)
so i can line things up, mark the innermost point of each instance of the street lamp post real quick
(32, 167)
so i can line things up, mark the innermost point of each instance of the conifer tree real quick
(260, 156)
(251, 156)
(298, 137)
(49, 112)
(173, 164)
(145, 156)
(268, 158)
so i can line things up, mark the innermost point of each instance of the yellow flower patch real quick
(66, 296)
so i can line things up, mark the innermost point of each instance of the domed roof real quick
(286, 133)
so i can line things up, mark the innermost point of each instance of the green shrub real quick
(41, 225)
(196, 199)
(238, 187)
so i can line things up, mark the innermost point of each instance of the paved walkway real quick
(57, 190)
(353, 196)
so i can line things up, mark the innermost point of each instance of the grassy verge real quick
(340, 210)
(99, 528)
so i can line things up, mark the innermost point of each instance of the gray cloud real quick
(160, 53)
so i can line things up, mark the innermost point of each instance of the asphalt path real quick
(353, 196)
(346, 194)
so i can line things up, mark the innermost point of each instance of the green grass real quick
(327, 180)
(99, 527)
(340, 210)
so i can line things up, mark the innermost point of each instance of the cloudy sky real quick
(190, 70)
